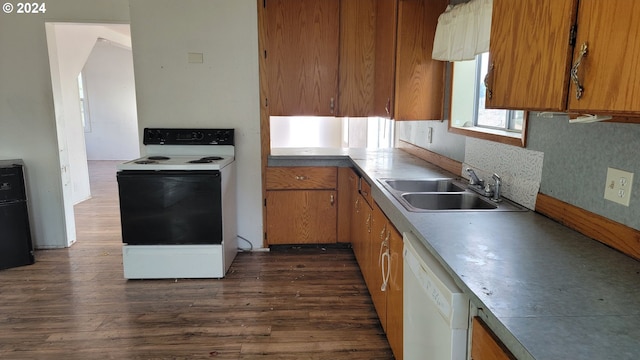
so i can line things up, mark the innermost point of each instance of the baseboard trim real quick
(442, 161)
(619, 236)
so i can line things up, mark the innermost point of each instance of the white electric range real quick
(178, 205)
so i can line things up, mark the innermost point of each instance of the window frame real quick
(496, 134)
(83, 99)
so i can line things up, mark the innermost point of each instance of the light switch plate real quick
(618, 186)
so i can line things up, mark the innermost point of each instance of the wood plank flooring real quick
(290, 303)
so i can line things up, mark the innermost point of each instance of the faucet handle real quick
(473, 178)
(497, 187)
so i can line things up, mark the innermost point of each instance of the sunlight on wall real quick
(331, 132)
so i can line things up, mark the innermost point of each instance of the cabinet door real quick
(484, 345)
(378, 264)
(419, 79)
(356, 209)
(301, 56)
(301, 217)
(344, 204)
(609, 71)
(530, 55)
(394, 294)
(361, 233)
(385, 57)
(357, 51)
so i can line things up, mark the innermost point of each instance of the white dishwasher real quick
(436, 312)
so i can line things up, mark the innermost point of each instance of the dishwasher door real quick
(436, 312)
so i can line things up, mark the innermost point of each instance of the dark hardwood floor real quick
(290, 303)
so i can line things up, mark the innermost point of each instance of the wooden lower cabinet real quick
(394, 293)
(485, 345)
(378, 257)
(361, 232)
(301, 205)
(301, 217)
(378, 246)
(347, 182)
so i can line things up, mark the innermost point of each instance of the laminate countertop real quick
(546, 291)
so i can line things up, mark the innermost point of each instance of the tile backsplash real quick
(520, 169)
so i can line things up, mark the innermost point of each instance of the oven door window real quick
(170, 207)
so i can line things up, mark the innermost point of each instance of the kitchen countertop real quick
(547, 291)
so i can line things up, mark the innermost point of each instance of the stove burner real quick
(212, 158)
(200, 161)
(158, 157)
(145, 162)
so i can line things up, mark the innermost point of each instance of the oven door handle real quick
(125, 173)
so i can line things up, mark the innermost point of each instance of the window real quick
(84, 104)
(468, 113)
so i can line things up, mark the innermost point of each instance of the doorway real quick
(94, 98)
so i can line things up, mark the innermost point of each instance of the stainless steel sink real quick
(422, 185)
(465, 201)
(442, 195)
(454, 201)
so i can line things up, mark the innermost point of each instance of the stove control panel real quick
(163, 136)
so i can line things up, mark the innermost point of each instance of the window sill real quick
(501, 136)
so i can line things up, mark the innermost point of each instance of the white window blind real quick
(463, 31)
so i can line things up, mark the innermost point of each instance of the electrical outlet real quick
(618, 186)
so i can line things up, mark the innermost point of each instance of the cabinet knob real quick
(332, 199)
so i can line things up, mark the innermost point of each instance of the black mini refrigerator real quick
(16, 248)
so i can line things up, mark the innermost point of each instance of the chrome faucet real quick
(474, 179)
(496, 188)
(478, 185)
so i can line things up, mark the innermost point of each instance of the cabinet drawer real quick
(365, 190)
(302, 178)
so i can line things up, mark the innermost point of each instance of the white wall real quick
(221, 92)
(110, 87)
(27, 119)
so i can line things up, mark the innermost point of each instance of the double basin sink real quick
(436, 195)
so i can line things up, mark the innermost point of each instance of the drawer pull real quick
(574, 71)
(332, 199)
(486, 82)
(298, 177)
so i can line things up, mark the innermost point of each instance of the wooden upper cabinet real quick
(419, 80)
(609, 71)
(357, 51)
(529, 54)
(536, 45)
(385, 57)
(301, 56)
